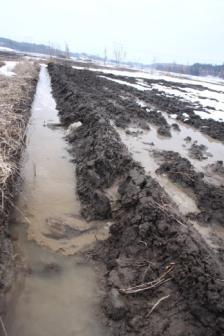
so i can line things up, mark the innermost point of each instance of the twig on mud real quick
(162, 208)
(3, 327)
(157, 303)
(149, 285)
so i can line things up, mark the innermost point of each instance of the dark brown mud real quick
(86, 86)
(150, 244)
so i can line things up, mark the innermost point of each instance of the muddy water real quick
(48, 199)
(214, 147)
(55, 293)
(142, 151)
(178, 144)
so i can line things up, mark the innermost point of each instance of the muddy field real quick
(164, 275)
(118, 201)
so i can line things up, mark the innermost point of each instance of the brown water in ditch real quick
(55, 294)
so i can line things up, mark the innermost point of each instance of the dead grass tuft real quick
(15, 100)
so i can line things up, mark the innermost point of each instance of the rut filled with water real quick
(55, 293)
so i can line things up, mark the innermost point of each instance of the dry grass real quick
(15, 96)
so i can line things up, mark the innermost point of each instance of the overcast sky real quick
(164, 30)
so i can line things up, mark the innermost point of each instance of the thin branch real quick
(157, 303)
(149, 285)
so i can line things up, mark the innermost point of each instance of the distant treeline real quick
(50, 49)
(197, 69)
(30, 47)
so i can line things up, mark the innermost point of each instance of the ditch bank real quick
(161, 278)
(16, 99)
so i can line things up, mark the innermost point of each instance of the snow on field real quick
(212, 102)
(136, 86)
(209, 82)
(208, 99)
(211, 98)
(6, 69)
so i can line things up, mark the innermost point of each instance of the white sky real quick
(164, 30)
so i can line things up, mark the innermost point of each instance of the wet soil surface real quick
(162, 278)
(209, 198)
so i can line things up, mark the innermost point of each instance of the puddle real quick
(48, 199)
(215, 147)
(141, 151)
(177, 143)
(54, 293)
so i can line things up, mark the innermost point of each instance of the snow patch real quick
(173, 116)
(141, 103)
(6, 70)
(136, 86)
(215, 115)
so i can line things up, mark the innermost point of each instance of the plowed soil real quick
(179, 278)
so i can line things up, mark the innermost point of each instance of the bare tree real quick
(119, 53)
(105, 56)
(67, 51)
(153, 66)
(52, 50)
